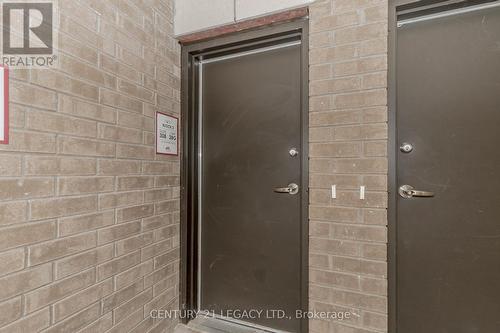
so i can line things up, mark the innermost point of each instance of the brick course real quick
(88, 212)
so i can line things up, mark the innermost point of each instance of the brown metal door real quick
(448, 109)
(250, 251)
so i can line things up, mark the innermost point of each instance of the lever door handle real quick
(291, 189)
(407, 192)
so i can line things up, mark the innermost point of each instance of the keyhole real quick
(406, 148)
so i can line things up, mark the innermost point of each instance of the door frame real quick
(392, 146)
(188, 282)
(393, 152)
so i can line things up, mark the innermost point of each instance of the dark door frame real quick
(407, 8)
(392, 155)
(263, 36)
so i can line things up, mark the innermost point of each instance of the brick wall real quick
(348, 134)
(88, 213)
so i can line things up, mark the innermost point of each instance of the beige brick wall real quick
(89, 215)
(348, 135)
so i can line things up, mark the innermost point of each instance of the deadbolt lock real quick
(293, 152)
(406, 147)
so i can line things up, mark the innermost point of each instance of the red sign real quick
(4, 105)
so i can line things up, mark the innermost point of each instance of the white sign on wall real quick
(167, 138)
(4, 105)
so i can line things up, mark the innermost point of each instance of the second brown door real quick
(448, 121)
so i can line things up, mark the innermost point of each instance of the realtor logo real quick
(28, 33)
(34, 21)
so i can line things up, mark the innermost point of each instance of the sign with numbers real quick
(167, 134)
(4, 105)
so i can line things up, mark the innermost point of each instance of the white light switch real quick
(362, 192)
(334, 191)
